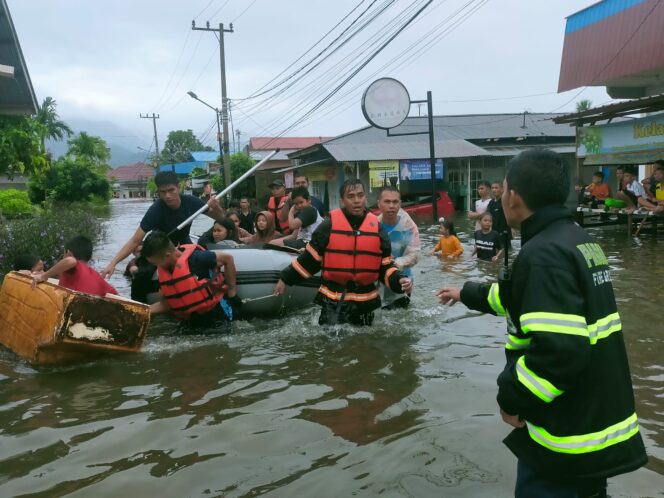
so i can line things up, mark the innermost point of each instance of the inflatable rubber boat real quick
(258, 270)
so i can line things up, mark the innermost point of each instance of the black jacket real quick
(567, 373)
(319, 241)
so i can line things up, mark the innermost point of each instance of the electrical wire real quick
(244, 11)
(319, 85)
(310, 49)
(312, 60)
(473, 8)
(355, 72)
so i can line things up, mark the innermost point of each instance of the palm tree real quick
(89, 147)
(584, 105)
(52, 126)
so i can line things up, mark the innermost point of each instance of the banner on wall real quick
(420, 169)
(635, 141)
(383, 173)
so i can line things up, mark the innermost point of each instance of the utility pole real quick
(238, 133)
(219, 33)
(154, 119)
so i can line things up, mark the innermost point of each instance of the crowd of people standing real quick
(565, 388)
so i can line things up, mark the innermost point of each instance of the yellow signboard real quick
(383, 173)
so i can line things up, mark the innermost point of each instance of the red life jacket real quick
(352, 256)
(274, 209)
(185, 292)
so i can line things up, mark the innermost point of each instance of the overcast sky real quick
(111, 61)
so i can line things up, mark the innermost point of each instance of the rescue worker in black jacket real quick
(353, 252)
(566, 387)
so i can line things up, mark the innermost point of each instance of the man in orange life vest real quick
(279, 206)
(353, 251)
(190, 280)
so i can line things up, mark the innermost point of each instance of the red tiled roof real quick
(131, 172)
(264, 143)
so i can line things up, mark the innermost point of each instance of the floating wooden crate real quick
(49, 324)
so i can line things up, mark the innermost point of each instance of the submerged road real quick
(284, 408)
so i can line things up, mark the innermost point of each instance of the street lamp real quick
(227, 171)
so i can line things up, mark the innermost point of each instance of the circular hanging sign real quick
(386, 103)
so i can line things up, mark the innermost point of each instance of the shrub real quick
(70, 180)
(14, 202)
(45, 235)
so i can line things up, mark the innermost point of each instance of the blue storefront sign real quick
(419, 169)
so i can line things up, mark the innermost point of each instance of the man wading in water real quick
(566, 387)
(165, 214)
(353, 251)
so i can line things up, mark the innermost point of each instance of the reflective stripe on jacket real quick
(352, 256)
(274, 209)
(185, 292)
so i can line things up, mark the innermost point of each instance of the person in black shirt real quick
(488, 246)
(301, 180)
(165, 214)
(495, 207)
(246, 215)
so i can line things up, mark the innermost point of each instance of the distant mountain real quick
(123, 143)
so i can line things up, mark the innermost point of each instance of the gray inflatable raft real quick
(257, 273)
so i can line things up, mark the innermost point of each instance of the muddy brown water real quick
(282, 407)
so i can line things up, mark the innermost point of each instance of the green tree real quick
(70, 180)
(179, 145)
(89, 148)
(240, 164)
(584, 105)
(53, 127)
(20, 146)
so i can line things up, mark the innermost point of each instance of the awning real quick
(639, 157)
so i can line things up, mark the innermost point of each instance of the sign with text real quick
(420, 169)
(634, 141)
(383, 173)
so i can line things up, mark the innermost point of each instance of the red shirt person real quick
(74, 271)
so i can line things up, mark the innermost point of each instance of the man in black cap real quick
(278, 205)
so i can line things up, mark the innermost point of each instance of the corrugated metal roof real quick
(416, 147)
(271, 143)
(208, 156)
(451, 133)
(16, 94)
(130, 172)
(623, 48)
(282, 155)
(183, 168)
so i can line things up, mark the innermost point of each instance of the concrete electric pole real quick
(219, 33)
(154, 119)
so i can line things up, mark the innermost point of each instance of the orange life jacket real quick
(274, 209)
(185, 292)
(352, 256)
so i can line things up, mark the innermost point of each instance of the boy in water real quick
(74, 271)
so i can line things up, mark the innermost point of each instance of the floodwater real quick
(284, 408)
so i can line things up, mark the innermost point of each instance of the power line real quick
(357, 70)
(313, 59)
(244, 11)
(353, 92)
(405, 52)
(309, 50)
(317, 86)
